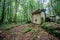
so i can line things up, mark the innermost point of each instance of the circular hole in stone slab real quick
(35, 20)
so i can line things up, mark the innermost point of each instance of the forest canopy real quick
(18, 11)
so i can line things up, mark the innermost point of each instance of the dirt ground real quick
(17, 34)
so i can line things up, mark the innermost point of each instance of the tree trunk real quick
(16, 5)
(3, 12)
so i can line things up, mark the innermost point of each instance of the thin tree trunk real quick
(15, 11)
(3, 12)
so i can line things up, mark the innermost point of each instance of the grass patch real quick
(28, 29)
(14, 33)
(8, 26)
(36, 31)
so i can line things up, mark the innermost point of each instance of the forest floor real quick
(27, 32)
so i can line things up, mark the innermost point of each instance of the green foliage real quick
(36, 31)
(17, 11)
(28, 29)
(58, 21)
(8, 26)
(51, 30)
(55, 6)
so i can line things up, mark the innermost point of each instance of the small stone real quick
(38, 36)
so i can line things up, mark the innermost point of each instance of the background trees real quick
(54, 7)
(17, 11)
